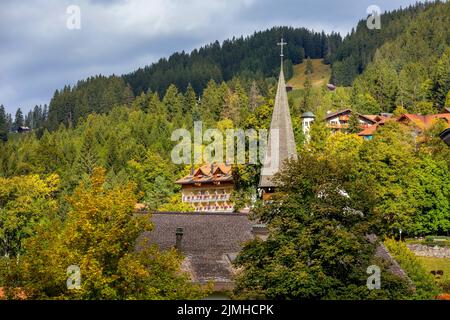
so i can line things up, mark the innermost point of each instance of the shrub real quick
(426, 288)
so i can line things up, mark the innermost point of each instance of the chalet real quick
(421, 122)
(209, 188)
(338, 121)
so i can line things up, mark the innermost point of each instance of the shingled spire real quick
(281, 142)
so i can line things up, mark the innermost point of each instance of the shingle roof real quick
(210, 241)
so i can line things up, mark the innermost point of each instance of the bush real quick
(437, 240)
(426, 288)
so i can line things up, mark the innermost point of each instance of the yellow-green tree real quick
(103, 238)
(24, 202)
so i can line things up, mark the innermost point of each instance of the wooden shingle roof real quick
(210, 241)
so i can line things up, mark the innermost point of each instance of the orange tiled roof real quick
(368, 131)
(424, 122)
(209, 173)
(420, 121)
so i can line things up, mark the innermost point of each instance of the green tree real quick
(307, 95)
(354, 126)
(100, 236)
(25, 202)
(19, 119)
(410, 188)
(441, 79)
(317, 247)
(319, 134)
(3, 125)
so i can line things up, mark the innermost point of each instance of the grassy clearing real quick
(434, 264)
(319, 77)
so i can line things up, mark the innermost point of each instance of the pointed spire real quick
(281, 142)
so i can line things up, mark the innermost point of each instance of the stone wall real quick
(429, 251)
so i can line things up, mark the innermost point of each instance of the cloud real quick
(39, 54)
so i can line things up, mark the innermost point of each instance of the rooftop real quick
(308, 114)
(208, 173)
(210, 242)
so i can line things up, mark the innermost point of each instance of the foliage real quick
(412, 69)
(359, 48)
(25, 203)
(176, 205)
(411, 188)
(354, 126)
(317, 247)
(99, 236)
(423, 281)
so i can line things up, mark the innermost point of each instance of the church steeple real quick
(281, 142)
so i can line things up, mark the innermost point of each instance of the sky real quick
(39, 53)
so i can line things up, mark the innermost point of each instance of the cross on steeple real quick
(282, 44)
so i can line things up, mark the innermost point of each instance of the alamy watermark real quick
(374, 19)
(74, 20)
(234, 146)
(74, 277)
(374, 280)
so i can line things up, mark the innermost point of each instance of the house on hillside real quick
(339, 121)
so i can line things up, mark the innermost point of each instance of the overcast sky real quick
(39, 54)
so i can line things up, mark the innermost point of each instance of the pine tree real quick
(19, 120)
(3, 125)
(442, 79)
(191, 103)
(354, 126)
(307, 95)
(88, 159)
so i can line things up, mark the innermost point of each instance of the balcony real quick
(206, 198)
(226, 209)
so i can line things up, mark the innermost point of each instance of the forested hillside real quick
(412, 70)
(251, 56)
(358, 48)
